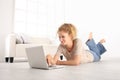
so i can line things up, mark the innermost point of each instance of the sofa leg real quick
(11, 59)
(6, 59)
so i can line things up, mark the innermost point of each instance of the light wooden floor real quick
(106, 69)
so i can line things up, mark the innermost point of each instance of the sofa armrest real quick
(10, 45)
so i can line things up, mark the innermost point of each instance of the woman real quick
(72, 48)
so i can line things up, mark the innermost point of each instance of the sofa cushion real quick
(19, 39)
(25, 38)
(22, 38)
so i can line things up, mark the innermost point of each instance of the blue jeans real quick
(96, 49)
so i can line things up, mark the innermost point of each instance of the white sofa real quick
(16, 51)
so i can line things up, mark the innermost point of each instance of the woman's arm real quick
(74, 61)
(51, 60)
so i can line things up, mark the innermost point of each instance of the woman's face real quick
(64, 37)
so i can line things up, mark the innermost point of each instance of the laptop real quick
(37, 58)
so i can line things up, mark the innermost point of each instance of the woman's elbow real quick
(76, 63)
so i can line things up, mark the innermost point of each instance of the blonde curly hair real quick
(68, 28)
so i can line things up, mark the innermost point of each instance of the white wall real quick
(6, 22)
(99, 16)
(102, 17)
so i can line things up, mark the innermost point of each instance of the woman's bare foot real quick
(102, 41)
(90, 36)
